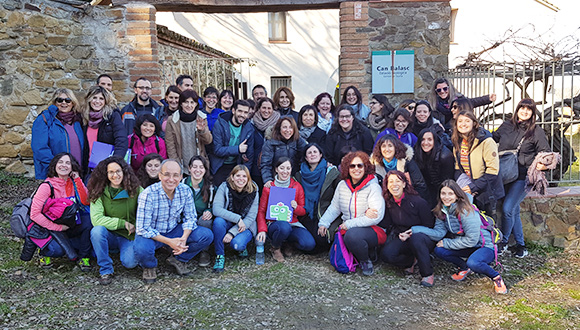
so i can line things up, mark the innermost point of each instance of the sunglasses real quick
(359, 165)
(444, 89)
(411, 107)
(60, 100)
(455, 106)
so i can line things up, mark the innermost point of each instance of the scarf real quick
(390, 166)
(305, 132)
(67, 118)
(95, 118)
(312, 182)
(281, 184)
(359, 185)
(377, 122)
(537, 179)
(168, 112)
(240, 202)
(262, 124)
(187, 117)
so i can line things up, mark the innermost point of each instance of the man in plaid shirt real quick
(162, 206)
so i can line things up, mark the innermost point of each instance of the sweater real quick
(298, 211)
(112, 212)
(173, 139)
(220, 205)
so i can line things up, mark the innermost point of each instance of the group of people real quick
(194, 170)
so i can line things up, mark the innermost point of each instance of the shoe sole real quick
(205, 264)
(523, 255)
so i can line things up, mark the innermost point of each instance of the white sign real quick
(393, 72)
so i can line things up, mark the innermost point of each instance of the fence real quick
(555, 86)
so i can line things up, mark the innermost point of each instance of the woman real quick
(284, 102)
(235, 208)
(211, 109)
(187, 134)
(226, 100)
(353, 97)
(406, 209)
(391, 154)
(114, 189)
(466, 239)
(263, 120)
(423, 119)
(148, 173)
(323, 103)
(103, 123)
(409, 105)
(358, 198)
(476, 157)
(319, 181)
(285, 142)
(401, 127)
(171, 104)
(443, 92)
(57, 129)
(199, 180)
(308, 125)
(64, 182)
(435, 161)
(290, 231)
(146, 139)
(347, 134)
(520, 133)
(380, 116)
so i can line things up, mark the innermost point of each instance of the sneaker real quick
(85, 264)
(367, 268)
(106, 279)
(461, 275)
(149, 275)
(500, 286)
(243, 254)
(277, 254)
(45, 263)
(410, 270)
(501, 248)
(220, 261)
(428, 281)
(521, 251)
(204, 259)
(180, 266)
(260, 258)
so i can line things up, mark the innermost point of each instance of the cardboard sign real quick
(279, 207)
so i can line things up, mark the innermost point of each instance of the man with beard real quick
(142, 103)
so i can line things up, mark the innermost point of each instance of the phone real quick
(201, 114)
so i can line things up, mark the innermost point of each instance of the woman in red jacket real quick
(291, 230)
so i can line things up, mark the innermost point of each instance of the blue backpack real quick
(340, 258)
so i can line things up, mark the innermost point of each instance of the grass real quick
(13, 179)
(574, 294)
(536, 315)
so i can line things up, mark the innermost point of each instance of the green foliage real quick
(536, 315)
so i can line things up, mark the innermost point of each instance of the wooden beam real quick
(236, 6)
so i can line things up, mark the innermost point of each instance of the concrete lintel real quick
(236, 6)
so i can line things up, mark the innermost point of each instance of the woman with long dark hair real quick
(326, 110)
(146, 139)
(308, 125)
(353, 97)
(380, 116)
(148, 172)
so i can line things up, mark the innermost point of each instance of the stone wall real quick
(422, 26)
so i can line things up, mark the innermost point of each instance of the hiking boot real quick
(428, 281)
(501, 248)
(243, 254)
(521, 251)
(204, 259)
(277, 254)
(85, 264)
(45, 263)
(461, 275)
(149, 275)
(180, 266)
(367, 268)
(499, 285)
(289, 251)
(220, 261)
(260, 258)
(410, 270)
(106, 279)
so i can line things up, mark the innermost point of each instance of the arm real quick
(471, 229)
(417, 180)
(82, 190)
(39, 144)
(367, 141)
(98, 217)
(144, 218)
(300, 200)
(491, 160)
(170, 136)
(262, 226)
(205, 136)
(435, 234)
(119, 135)
(220, 208)
(250, 218)
(375, 202)
(221, 142)
(162, 148)
(189, 213)
(333, 210)
(38, 200)
(481, 100)
(250, 153)
(266, 162)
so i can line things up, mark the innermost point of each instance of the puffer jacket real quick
(338, 143)
(111, 131)
(274, 150)
(220, 209)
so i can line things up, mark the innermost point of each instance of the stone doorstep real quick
(570, 191)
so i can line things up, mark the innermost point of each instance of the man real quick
(142, 103)
(258, 92)
(105, 81)
(162, 206)
(233, 141)
(184, 82)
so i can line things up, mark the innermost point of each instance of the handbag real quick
(508, 164)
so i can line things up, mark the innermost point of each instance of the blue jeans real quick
(80, 239)
(105, 241)
(220, 229)
(281, 231)
(511, 221)
(199, 239)
(478, 259)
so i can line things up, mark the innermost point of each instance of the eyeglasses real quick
(411, 107)
(455, 106)
(401, 122)
(143, 88)
(373, 102)
(171, 175)
(344, 117)
(359, 166)
(444, 89)
(117, 172)
(60, 100)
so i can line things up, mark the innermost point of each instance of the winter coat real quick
(328, 187)
(408, 166)
(139, 150)
(413, 211)
(298, 211)
(318, 136)
(49, 137)
(338, 143)
(407, 138)
(112, 212)
(221, 142)
(212, 117)
(274, 150)
(442, 112)
(288, 112)
(434, 173)
(220, 205)
(110, 131)
(173, 139)
(133, 110)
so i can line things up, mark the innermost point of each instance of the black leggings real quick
(403, 254)
(359, 241)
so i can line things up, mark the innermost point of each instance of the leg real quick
(82, 235)
(278, 232)
(103, 240)
(241, 240)
(52, 249)
(199, 239)
(359, 240)
(145, 251)
(511, 221)
(220, 227)
(302, 239)
(421, 245)
(479, 261)
(126, 252)
(397, 253)
(454, 256)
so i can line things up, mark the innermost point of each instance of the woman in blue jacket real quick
(57, 129)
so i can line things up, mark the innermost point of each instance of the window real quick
(277, 26)
(452, 26)
(280, 81)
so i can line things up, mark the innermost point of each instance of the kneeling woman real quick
(405, 208)
(457, 220)
(358, 197)
(292, 231)
(114, 189)
(235, 207)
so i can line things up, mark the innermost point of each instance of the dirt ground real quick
(303, 293)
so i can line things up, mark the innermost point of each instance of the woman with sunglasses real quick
(380, 116)
(359, 202)
(57, 129)
(409, 105)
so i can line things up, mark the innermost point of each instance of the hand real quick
(372, 213)
(328, 116)
(130, 227)
(440, 244)
(206, 215)
(201, 124)
(492, 97)
(243, 147)
(541, 167)
(322, 231)
(261, 237)
(405, 235)
(343, 227)
(74, 175)
(228, 238)
(241, 226)
(245, 158)
(64, 227)
(177, 245)
(466, 189)
(294, 204)
(268, 184)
